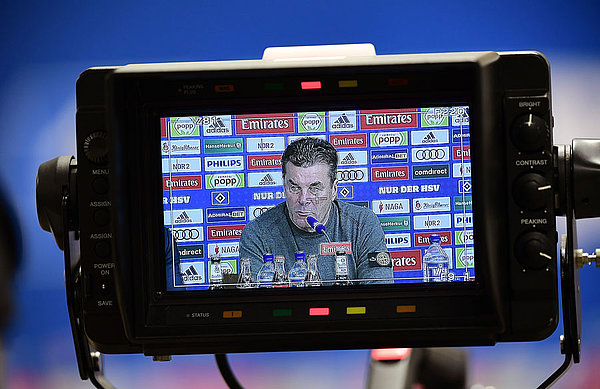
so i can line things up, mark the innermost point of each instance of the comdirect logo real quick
(191, 251)
(354, 140)
(257, 210)
(385, 119)
(403, 260)
(396, 223)
(220, 146)
(264, 124)
(430, 154)
(261, 179)
(463, 203)
(193, 273)
(430, 171)
(434, 117)
(311, 122)
(260, 145)
(181, 165)
(234, 162)
(431, 204)
(396, 241)
(428, 137)
(391, 173)
(461, 152)
(389, 156)
(422, 238)
(350, 158)
(220, 181)
(463, 237)
(178, 147)
(389, 139)
(188, 234)
(217, 125)
(353, 175)
(384, 207)
(184, 126)
(186, 216)
(214, 215)
(264, 161)
(225, 232)
(432, 222)
(342, 121)
(465, 257)
(182, 182)
(229, 249)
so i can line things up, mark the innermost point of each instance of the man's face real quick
(308, 192)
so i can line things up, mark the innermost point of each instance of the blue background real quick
(45, 45)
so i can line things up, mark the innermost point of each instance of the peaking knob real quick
(534, 250)
(531, 191)
(95, 147)
(529, 132)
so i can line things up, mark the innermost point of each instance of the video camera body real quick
(495, 112)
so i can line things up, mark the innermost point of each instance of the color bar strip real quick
(232, 314)
(318, 312)
(273, 86)
(224, 88)
(310, 84)
(356, 310)
(406, 308)
(282, 312)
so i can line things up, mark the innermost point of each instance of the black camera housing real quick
(126, 307)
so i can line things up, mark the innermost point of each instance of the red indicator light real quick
(390, 354)
(318, 311)
(398, 81)
(310, 84)
(224, 88)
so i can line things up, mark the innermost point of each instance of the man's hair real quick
(306, 152)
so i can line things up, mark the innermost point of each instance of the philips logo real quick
(396, 241)
(223, 163)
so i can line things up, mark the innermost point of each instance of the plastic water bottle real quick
(341, 268)
(313, 278)
(216, 274)
(267, 272)
(280, 279)
(245, 278)
(299, 271)
(435, 261)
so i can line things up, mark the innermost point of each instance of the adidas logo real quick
(267, 180)
(183, 218)
(430, 138)
(349, 160)
(342, 122)
(191, 275)
(191, 271)
(217, 127)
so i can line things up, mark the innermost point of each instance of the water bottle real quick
(341, 268)
(298, 272)
(245, 278)
(313, 278)
(435, 261)
(280, 279)
(267, 272)
(216, 274)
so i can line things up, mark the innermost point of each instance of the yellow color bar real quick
(356, 310)
(348, 83)
(232, 314)
(406, 308)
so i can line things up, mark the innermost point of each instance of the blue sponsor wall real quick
(46, 45)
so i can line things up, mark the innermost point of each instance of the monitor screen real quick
(398, 209)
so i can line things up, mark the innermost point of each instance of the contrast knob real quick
(531, 191)
(534, 250)
(95, 147)
(529, 132)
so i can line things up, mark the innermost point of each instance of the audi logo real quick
(186, 233)
(259, 211)
(429, 154)
(350, 175)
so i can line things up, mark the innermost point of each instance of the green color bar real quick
(356, 310)
(274, 86)
(282, 312)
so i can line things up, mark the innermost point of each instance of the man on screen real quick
(310, 184)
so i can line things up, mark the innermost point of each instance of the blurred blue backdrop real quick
(46, 45)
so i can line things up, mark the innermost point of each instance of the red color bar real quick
(310, 84)
(390, 354)
(318, 312)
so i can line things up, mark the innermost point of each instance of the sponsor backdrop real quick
(46, 45)
(411, 167)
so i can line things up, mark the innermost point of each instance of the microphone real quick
(316, 225)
